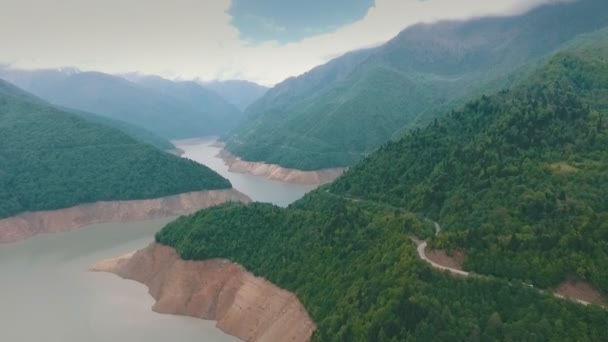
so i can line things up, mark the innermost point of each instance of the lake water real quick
(258, 188)
(47, 293)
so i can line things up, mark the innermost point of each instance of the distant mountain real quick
(52, 159)
(340, 112)
(170, 109)
(221, 115)
(239, 93)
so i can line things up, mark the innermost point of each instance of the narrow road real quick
(422, 254)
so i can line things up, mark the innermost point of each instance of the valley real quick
(428, 171)
(259, 188)
(54, 268)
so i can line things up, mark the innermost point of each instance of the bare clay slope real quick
(243, 305)
(279, 173)
(27, 225)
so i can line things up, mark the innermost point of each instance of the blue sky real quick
(292, 20)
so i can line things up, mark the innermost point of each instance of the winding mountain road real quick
(422, 253)
(421, 248)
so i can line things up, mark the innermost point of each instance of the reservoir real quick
(258, 188)
(48, 294)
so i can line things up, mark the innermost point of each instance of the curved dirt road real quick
(422, 253)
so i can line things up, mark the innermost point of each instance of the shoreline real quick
(242, 305)
(277, 172)
(29, 224)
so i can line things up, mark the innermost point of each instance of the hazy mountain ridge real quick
(238, 92)
(309, 124)
(219, 113)
(166, 111)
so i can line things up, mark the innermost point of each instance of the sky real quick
(264, 41)
(292, 20)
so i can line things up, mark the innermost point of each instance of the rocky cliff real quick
(243, 305)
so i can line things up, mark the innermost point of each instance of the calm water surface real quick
(259, 189)
(47, 293)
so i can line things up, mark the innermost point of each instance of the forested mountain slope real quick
(170, 109)
(51, 159)
(134, 131)
(342, 111)
(519, 179)
(355, 269)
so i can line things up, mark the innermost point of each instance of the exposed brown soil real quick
(455, 261)
(26, 225)
(243, 305)
(276, 172)
(581, 290)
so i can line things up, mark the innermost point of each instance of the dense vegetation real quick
(519, 179)
(340, 112)
(52, 159)
(172, 110)
(130, 129)
(357, 273)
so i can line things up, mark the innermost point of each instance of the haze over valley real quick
(260, 170)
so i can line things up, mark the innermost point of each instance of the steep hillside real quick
(356, 271)
(51, 159)
(517, 179)
(134, 131)
(239, 93)
(169, 109)
(338, 113)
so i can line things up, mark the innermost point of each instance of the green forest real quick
(338, 113)
(51, 159)
(518, 179)
(136, 132)
(356, 271)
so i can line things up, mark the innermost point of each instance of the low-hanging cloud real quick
(195, 39)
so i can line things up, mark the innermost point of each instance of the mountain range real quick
(338, 113)
(168, 109)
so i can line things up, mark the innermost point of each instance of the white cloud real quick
(194, 39)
